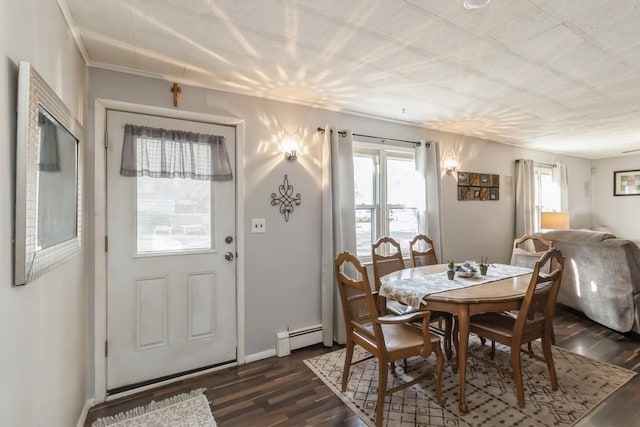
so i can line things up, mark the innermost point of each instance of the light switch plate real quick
(258, 225)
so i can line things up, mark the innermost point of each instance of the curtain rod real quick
(551, 165)
(545, 164)
(344, 133)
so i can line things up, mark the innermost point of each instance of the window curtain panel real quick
(338, 225)
(525, 198)
(162, 153)
(561, 179)
(427, 158)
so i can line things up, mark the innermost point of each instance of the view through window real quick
(386, 199)
(547, 192)
(173, 215)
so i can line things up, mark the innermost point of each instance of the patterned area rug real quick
(184, 410)
(583, 383)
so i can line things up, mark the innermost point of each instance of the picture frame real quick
(478, 186)
(626, 183)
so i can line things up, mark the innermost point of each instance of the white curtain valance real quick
(162, 153)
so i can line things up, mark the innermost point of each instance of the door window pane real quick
(173, 215)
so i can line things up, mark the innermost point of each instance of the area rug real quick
(491, 398)
(184, 410)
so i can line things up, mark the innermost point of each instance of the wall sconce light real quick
(450, 166)
(289, 147)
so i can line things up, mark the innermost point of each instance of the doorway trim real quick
(100, 225)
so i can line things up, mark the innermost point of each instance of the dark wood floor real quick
(283, 392)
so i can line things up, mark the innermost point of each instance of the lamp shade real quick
(554, 220)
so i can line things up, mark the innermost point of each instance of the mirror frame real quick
(31, 262)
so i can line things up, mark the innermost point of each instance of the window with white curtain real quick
(548, 194)
(386, 200)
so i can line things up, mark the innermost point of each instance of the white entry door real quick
(171, 286)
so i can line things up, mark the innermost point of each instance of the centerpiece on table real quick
(484, 265)
(451, 272)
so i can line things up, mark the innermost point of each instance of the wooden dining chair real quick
(421, 251)
(528, 249)
(534, 320)
(387, 338)
(386, 255)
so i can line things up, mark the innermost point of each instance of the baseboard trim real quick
(85, 411)
(259, 356)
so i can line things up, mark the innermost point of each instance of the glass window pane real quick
(173, 214)
(403, 226)
(364, 173)
(401, 182)
(364, 232)
(549, 194)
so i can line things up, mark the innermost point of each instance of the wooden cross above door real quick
(176, 89)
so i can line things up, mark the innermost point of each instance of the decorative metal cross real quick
(286, 199)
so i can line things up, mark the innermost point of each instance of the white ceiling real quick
(555, 75)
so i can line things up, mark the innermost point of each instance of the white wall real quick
(283, 265)
(618, 212)
(43, 325)
(472, 229)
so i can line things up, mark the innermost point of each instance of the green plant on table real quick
(450, 266)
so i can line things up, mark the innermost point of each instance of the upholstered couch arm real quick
(601, 276)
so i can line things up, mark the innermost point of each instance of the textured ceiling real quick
(556, 75)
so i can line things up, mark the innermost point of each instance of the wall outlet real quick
(258, 225)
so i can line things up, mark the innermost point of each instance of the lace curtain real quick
(162, 153)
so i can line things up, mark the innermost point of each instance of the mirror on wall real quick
(48, 184)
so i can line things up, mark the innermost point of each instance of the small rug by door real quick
(491, 399)
(184, 410)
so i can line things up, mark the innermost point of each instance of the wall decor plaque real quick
(478, 186)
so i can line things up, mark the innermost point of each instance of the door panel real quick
(151, 309)
(171, 295)
(202, 303)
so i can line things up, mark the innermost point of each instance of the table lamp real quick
(554, 220)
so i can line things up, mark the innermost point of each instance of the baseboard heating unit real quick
(298, 338)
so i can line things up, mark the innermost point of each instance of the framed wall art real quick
(626, 183)
(478, 186)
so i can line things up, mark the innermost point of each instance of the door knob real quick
(229, 256)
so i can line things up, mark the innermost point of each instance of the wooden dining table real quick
(498, 295)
